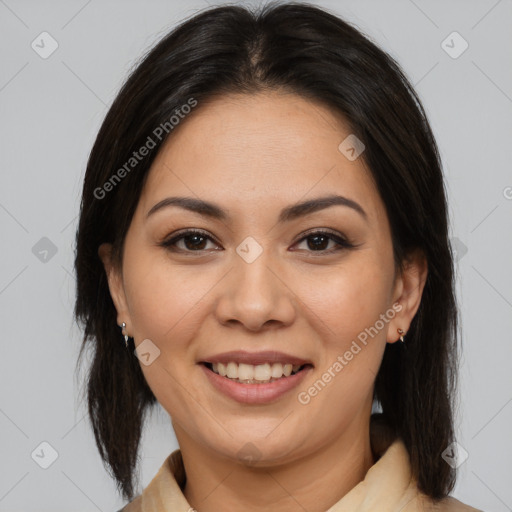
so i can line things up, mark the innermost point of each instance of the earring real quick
(401, 333)
(123, 326)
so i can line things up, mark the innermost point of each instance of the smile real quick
(254, 374)
(255, 378)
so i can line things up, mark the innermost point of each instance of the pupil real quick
(316, 238)
(195, 244)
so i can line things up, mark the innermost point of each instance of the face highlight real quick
(220, 258)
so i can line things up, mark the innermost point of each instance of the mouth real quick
(255, 378)
(255, 374)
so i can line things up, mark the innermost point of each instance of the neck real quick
(313, 483)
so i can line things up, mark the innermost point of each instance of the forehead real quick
(263, 150)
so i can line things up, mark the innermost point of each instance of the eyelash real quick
(342, 242)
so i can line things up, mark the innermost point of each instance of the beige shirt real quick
(387, 487)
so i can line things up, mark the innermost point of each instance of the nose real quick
(255, 295)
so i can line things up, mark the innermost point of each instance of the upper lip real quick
(255, 358)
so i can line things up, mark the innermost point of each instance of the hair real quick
(302, 49)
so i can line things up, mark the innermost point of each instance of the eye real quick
(193, 241)
(318, 241)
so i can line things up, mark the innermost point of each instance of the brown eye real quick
(197, 241)
(318, 241)
(193, 241)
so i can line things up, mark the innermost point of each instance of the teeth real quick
(254, 373)
(245, 371)
(277, 370)
(232, 371)
(262, 372)
(221, 369)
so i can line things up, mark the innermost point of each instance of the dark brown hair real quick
(304, 50)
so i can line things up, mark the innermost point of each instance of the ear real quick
(115, 284)
(409, 287)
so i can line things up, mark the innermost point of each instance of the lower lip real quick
(255, 393)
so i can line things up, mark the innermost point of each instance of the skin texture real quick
(254, 155)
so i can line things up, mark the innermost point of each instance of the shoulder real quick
(134, 506)
(414, 500)
(449, 504)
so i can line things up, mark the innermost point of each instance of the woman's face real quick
(259, 289)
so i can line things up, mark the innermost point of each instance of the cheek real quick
(166, 307)
(163, 299)
(347, 311)
(351, 297)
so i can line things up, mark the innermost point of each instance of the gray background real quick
(51, 110)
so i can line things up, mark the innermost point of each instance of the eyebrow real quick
(287, 214)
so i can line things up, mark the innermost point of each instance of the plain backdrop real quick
(51, 106)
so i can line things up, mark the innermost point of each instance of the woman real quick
(263, 250)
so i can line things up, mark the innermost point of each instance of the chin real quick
(256, 451)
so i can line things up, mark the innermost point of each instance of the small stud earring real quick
(123, 326)
(401, 333)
